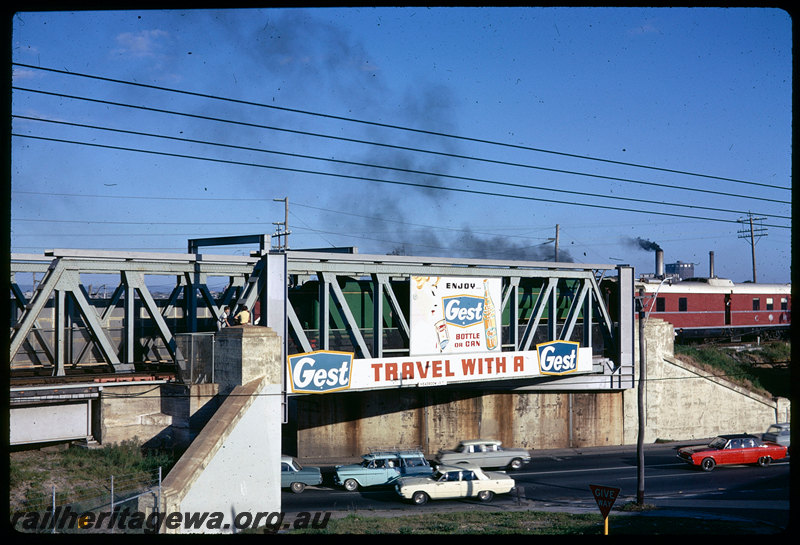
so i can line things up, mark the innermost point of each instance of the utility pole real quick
(285, 223)
(752, 233)
(641, 396)
(557, 226)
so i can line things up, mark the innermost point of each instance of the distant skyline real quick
(458, 132)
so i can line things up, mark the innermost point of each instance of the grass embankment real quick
(763, 368)
(78, 473)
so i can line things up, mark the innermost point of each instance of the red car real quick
(732, 449)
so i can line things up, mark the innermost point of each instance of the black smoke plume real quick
(644, 244)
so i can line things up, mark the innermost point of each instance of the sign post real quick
(605, 496)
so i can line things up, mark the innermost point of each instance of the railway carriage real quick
(711, 308)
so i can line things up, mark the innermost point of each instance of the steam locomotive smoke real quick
(297, 48)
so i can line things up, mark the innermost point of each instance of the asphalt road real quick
(558, 480)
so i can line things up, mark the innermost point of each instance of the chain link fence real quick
(198, 365)
(125, 504)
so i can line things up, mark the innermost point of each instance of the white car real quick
(485, 453)
(449, 482)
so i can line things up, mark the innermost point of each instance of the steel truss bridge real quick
(62, 324)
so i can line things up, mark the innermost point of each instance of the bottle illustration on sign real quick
(442, 336)
(489, 325)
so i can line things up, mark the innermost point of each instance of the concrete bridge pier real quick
(231, 470)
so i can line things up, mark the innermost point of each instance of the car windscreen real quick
(718, 442)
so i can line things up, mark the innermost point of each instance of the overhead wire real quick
(403, 148)
(407, 170)
(398, 127)
(377, 180)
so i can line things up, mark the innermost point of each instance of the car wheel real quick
(419, 498)
(351, 485)
(297, 488)
(516, 463)
(485, 495)
(708, 464)
(764, 461)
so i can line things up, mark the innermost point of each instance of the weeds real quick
(739, 368)
(79, 472)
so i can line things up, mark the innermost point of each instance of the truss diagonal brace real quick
(69, 283)
(347, 314)
(135, 280)
(35, 326)
(574, 311)
(383, 280)
(536, 315)
(35, 306)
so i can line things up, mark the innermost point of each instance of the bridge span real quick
(456, 328)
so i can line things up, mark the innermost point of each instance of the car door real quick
(413, 465)
(479, 455)
(286, 475)
(731, 454)
(448, 486)
(748, 453)
(381, 471)
(393, 469)
(498, 457)
(469, 483)
(374, 473)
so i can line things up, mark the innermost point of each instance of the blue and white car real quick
(382, 467)
(296, 477)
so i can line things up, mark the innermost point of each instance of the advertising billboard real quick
(454, 338)
(451, 315)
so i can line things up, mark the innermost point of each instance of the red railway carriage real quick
(718, 307)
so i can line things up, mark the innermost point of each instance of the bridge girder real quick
(265, 278)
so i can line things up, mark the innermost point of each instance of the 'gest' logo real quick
(463, 310)
(320, 372)
(558, 357)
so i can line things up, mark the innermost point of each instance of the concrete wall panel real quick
(685, 402)
(597, 419)
(132, 412)
(41, 423)
(347, 425)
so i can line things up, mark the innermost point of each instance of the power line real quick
(376, 180)
(227, 223)
(398, 147)
(366, 165)
(437, 174)
(398, 127)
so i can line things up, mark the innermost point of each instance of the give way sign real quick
(605, 496)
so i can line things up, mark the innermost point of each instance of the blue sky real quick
(616, 124)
